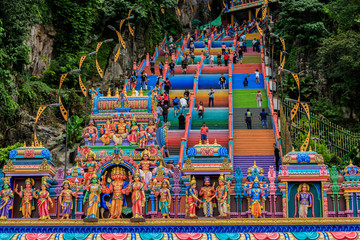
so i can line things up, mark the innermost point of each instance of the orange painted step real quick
(253, 142)
(246, 67)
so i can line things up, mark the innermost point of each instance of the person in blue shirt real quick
(263, 118)
(176, 105)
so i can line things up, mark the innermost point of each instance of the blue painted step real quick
(239, 78)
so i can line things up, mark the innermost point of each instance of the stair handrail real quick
(231, 109)
(269, 95)
(184, 140)
(341, 139)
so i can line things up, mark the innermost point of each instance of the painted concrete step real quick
(247, 161)
(239, 122)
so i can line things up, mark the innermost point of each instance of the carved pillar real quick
(347, 198)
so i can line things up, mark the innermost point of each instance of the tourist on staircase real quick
(246, 83)
(183, 104)
(203, 132)
(187, 96)
(152, 66)
(181, 121)
(254, 42)
(226, 58)
(161, 67)
(167, 85)
(165, 112)
(200, 109)
(240, 55)
(223, 48)
(258, 98)
(222, 81)
(263, 118)
(257, 76)
(219, 59)
(248, 118)
(211, 96)
(172, 68)
(176, 106)
(158, 112)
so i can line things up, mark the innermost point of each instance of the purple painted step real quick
(247, 161)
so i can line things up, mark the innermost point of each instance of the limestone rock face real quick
(49, 136)
(41, 42)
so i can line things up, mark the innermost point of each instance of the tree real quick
(339, 59)
(302, 21)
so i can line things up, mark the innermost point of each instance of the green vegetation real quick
(322, 39)
(4, 153)
(78, 26)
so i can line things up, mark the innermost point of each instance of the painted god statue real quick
(223, 197)
(121, 131)
(43, 201)
(90, 165)
(107, 132)
(90, 132)
(26, 195)
(66, 200)
(92, 197)
(137, 188)
(165, 198)
(151, 129)
(305, 200)
(133, 132)
(143, 138)
(6, 196)
(256, 195)
(145, 164)
(117, 186)
(207, 192)
(192, 199)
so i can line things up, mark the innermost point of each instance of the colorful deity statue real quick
(107, 132)
(90, 164)
(305, 200)
(27, 195)
(192, 199)
(207, 193)
(257, 196)
(133, 132)
(223, 196)
(165, 198)
(121, 131)
(90, 132)
(6, 196)
(93, 195)
(151, 129)
(66, 200)
(116, 186)
(145, 164)
(43, 197)
(136, 187)
(142, 136)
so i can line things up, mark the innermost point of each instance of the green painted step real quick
(246, 98)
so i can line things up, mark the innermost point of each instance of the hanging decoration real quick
(82, 86)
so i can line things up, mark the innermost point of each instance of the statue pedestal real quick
(222, 217)
(137, 219)
(187, 217)
(118, 110)
(90, 219)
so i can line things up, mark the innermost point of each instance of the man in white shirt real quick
(254, 42)
(183, 104)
